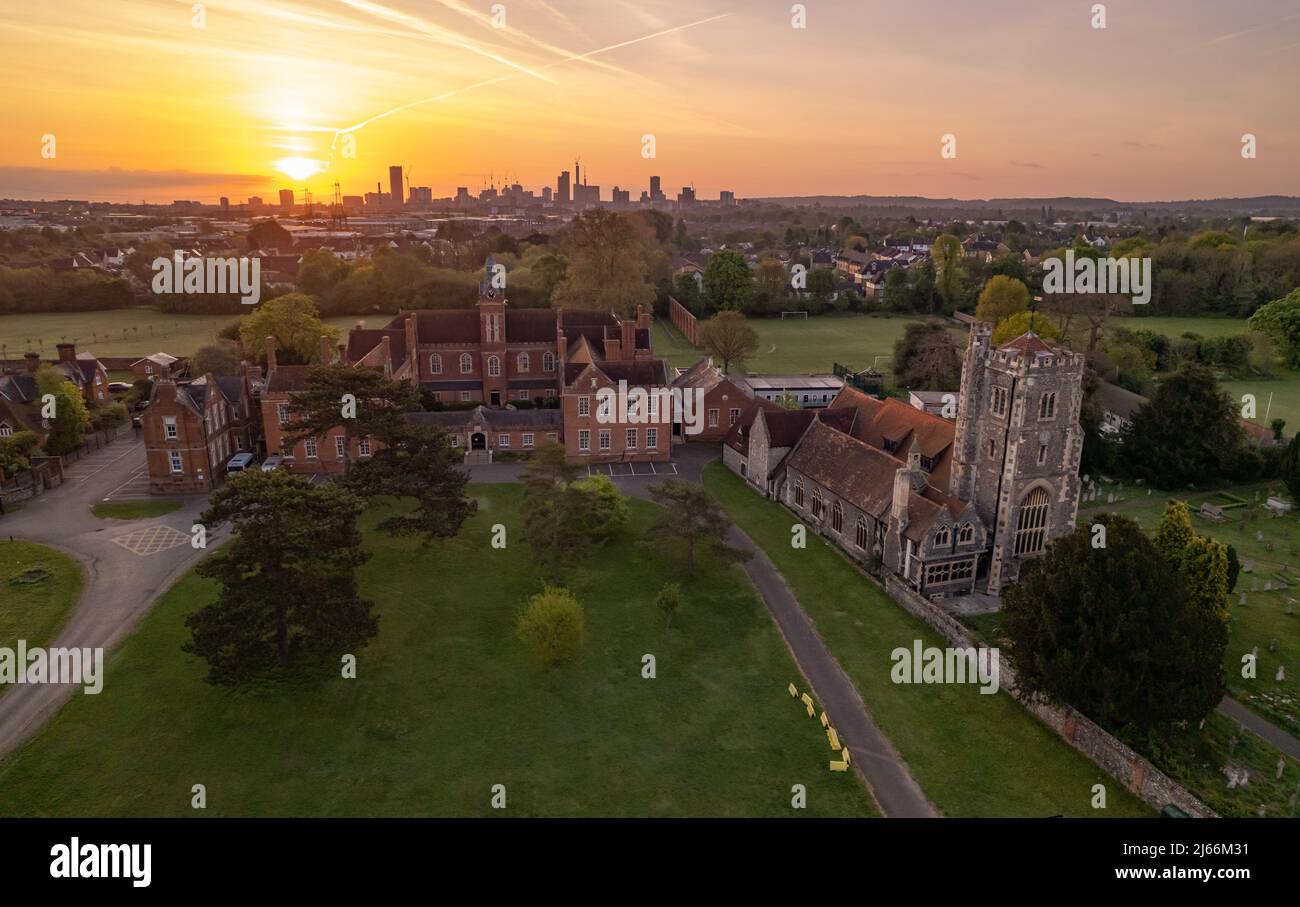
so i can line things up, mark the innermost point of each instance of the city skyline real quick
(287, 94)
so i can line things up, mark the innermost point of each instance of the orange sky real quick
(143, 104)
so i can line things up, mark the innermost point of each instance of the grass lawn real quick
(445, 705)
(796, 346)
(134, 510)
(124, 332)
(973, 754)
(38, 589)
(1272, 548)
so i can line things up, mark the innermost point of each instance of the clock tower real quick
(492, 333)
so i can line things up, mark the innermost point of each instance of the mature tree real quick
(359, 400)
(607, 507)
(728, 282)
(946, 251)
(1001, 298)
(552, 627)
(1113, 632)
(419, 463)
(1012, 327)
(319, 271)
(728, 337)
(1280, 320)
(926, 358)
(606, 265)
(220, 358)
(71, 417)
(821, 285)
(692, 519)
(1186, 434)
(548, 272)
(288, 591)
(771, 277)
(294, 321)
(1291, 467)
(686, 290)
(562, 520)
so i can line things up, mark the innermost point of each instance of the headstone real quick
(1242, 600)
(1281, 673)
(1262, 811)
(1281, 766)
(1110, 498)
(1268, 585)
(1259, 536)
(1272, 645)
(1290, 606)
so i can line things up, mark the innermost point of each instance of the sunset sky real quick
(143, 105)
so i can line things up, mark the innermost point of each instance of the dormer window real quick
(966, 534)
(941, 537)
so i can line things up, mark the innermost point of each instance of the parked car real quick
(272, 463)
(118, 387)
(240, 461)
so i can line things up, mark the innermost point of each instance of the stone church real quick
(950, 507)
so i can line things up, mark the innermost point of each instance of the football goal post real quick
(785, 315)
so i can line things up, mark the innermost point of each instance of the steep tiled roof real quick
(1029, 344)
(447, 326)
(530, 326)
(287, 378)
(737, 436)
(890, 420)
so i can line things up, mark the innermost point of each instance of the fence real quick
(683, 320)
(1139, 776)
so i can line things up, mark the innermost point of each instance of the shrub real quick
(552, 627)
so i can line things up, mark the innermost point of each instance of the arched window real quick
(1031, 525)
(494, 366)
(435, 364)
(523, 362)
(548, 361)
(837, 517)
(466, 363)
(860, 538)
(966, 534)
(798, 492)
(941, 537)
(817, 503)
(1047, 406)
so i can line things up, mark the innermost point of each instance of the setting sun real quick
(300, 168)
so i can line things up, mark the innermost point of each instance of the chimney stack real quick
(387, 356)
(326, 350)
(32, 361)
(270, 355)
(67, 352)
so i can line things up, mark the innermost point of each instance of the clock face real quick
(491, 294)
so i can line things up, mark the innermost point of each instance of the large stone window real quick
(1031, 525)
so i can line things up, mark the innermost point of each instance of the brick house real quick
(189, 435)
(158, 365)
(483, 432)
(723, 400)
(597, 433)
(84, 370)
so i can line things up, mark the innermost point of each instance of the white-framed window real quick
(605, 409)
(464, 396)
(604, 439)
(522, 362)
(734, 416)
(652, 406)
(548, 362)
(437, 396)
(652, 439)
(550, 393)
(435, 364)
(282, 412)
(466, 363)
(309, 447)
(966, 533)
(1031, 525)
(522, 395)
(363, 447)
(148, 369)
(494, 367)
(941, 537)
(177, 466)
(169, 427)
(631, 439)
(340, 446)
(503, 439)
(713, 418)
(528, 439)
(584, 440)
(6, 429)
(553, 436)
(455, 440)
(584, 406)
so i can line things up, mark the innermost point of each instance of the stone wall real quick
(1139, 776)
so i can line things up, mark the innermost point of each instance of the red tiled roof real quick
(1028, 343)
(879, 420)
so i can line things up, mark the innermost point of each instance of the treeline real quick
(25, 290)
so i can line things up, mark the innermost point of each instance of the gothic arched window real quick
(1031, 525)
(523, 362)
(798, 492)
(466, 363)
(494, 366)
(837, 517)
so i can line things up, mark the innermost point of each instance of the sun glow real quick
(299, 168)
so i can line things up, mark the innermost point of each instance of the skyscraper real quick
(656, 193)
(562, 188)
(395, 185)
(286, 199)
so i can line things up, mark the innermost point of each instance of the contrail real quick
(571, 58)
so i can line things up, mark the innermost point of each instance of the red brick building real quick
(191, 431)
(722, 403)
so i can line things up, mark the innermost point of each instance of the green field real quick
(38, 589)
(796, 346)
(123, 332)
(1272, 547)
(445, 705)
(973, 754)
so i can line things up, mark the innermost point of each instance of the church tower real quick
(492, 333)
(1018, 443)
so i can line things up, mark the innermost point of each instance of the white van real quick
(239, 462)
